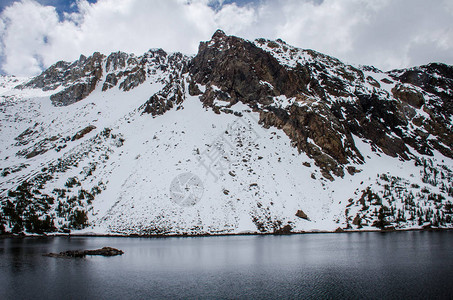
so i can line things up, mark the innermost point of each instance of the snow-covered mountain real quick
(245, 136)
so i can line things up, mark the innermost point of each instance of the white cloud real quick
(385, 33)
(232, 18)
(388, 34)
(35, 36)
(23, 36)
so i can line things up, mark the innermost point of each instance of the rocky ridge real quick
(75, 81)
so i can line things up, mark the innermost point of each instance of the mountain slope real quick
(243, 137)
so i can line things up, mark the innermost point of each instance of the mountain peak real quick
(218, 34)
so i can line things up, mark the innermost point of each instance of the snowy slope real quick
(106, 163)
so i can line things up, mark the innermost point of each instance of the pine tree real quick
(2, 223)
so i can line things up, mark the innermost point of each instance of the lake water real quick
(355, 265)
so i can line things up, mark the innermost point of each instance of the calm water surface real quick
(336, 266)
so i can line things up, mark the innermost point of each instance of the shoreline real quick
(15, 236)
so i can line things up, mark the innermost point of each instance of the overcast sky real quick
(388, 34)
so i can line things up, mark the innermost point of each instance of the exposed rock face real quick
(435, 82)
(115, 61)
(77, 80)
(74, 93)
(131, 71)
(239, 68)
(126, 71)
(311, 134)
(173, 93)
(408, 95)
(434, 78)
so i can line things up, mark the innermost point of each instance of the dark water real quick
(356, 265)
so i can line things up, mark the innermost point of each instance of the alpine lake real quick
(359, 265)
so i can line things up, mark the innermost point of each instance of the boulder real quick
(300, 213)
(408, 95)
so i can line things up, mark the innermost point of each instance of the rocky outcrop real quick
(409, 95)
(133, 79)
(435, 78)
(173, 93)
(74, 93)
(76, 80)
(81, 133)
(324, 139)
(64, 73)
(53, 77)
(300, 213)
(239, 69)
(435, 83)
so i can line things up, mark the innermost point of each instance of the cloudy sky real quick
(386, 33)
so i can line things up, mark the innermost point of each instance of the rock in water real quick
(105, 251)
